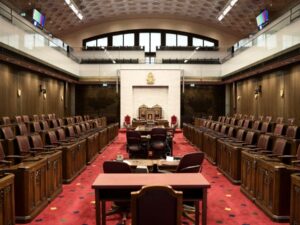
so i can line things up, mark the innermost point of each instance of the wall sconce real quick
(44, 95)
(43, 89)
(239, 97)
(62, 98)
(256, 96)
(19, 93)
(281, 93)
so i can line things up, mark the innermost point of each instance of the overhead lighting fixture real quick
(74, 8)
(185, 61)
(229, 5)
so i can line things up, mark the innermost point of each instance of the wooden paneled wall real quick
(202, 101)
(269, 101)
(98, 100)
(31, 100)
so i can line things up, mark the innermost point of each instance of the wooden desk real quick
(112, 187)
(143, 129)
(161, 163)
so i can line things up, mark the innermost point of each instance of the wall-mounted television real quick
(262, 19)
(38, 18)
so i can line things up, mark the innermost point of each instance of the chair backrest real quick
(240, 134)
(223, 129)
(83, 127)
(36, 127)
(22, 129)
(18, 119)
(279, 129)
(231, 132)
(127, 120)
(36, 141)
(71, 131)
(279, 120)
(217, 127)
(256, 125)
(51, 137)
(7, 132)
(23, 144)
(191, 163)
(53, 123)
(154, 205)
(280, 146)
(60, 122)
(61, 134)
(42, 117)
(6, 120)
(291, 121)
(263, 141)
(240, 123)
(158, 134)
(233, 121)
(35, 118)
(250, 136)
(268, 119)
(26, 119)
(44, 125)
(116, 167)
(293, 132)
(78, 129)
(173, 120)
(247, 123)
(133, 137)
(265, 127)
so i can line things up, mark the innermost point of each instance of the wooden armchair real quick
(159, 205)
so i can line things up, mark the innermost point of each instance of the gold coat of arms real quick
(150, 78)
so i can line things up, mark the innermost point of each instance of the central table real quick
(118, 187)
(161, 163)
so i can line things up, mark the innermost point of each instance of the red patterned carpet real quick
(76, 205)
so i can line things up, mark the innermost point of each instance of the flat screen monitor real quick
(38, 18)
(262, 19)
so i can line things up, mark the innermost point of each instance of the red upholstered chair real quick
(18, 119)
(127, 121)
(174, 122)
(156, 205)
(134, 145)
(6, 120)
(191, 163)
(158, 143)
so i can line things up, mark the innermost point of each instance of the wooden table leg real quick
(97, 203)
(204, 206)
(197, 214)
(103, 213)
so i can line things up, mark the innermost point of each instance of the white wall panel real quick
(135, 91)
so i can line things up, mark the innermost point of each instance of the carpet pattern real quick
(76, 204)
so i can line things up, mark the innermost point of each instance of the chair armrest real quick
(6, 162)
(272, 155)
(250, 146)
(296, 162)
(265, 152)
(50, 146)
(287, 156)
(36, 149)
(14, 156)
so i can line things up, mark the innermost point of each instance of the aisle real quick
(76, 204)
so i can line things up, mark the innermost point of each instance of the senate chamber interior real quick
(149, 112)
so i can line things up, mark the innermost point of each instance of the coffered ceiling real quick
(239, 21)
